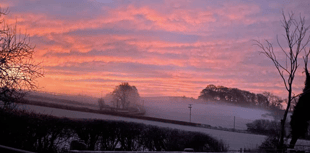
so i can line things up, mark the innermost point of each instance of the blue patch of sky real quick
(42, 40)
(134, 68)
(68, 9)
(122, 52)
(158, 35)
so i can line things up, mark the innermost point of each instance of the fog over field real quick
(203, 112)
(176, 108)
(78, 98)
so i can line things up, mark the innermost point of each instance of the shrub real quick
(44, 133)
(265, 127)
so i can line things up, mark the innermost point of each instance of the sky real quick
(163, 47)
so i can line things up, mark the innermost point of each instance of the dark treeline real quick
(240, 97)
(265, 127)
(44, 133)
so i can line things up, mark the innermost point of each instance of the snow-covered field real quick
(177, 109)
(234, 140)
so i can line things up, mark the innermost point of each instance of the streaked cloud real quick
(163, 47)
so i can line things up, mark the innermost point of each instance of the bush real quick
(271, 144)
(33, 132)
(44, 133)
(265, 127)
(153, 138)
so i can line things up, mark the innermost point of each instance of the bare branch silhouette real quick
(18, 70)
(295, 36)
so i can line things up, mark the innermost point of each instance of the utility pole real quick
(190, 112)
(234, 122)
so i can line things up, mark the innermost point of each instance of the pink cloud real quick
(189, 44)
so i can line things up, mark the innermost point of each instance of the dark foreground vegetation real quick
(44, 133)
(264, 127)
(272, 130)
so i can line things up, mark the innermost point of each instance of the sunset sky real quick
(163, 47)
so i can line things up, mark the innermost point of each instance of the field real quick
(174, 108)
(228, 137)
(177, 109)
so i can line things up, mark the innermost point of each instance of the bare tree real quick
(274, 101)
(101, 103)
(295, 35)
(124, 95)
(18, 70)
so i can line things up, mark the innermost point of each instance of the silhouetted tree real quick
(101, 103)
(18, 70)
(273, 100)
(124, 94)
(295, 32)
(293, 102)
(233, 95)
(250, 97)
(262, 101)
(301, 115)
(209, 93)
(262, 126)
